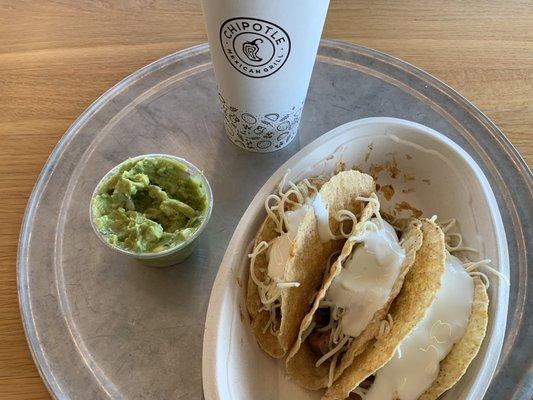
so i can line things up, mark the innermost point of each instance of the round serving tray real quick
(102, 326)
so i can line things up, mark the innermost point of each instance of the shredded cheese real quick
(310, 186)
(458, 238)
(270, 211)
(384, 328)
(361, 392)
(331, 371)
(333, 351)
(285, 285)
(374, 203)
(472, 267)
(271, 323)
(343, 216)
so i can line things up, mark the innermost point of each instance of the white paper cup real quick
(263, 54)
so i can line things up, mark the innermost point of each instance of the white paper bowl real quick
(448, 183)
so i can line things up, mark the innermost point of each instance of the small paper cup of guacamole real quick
(153, 208)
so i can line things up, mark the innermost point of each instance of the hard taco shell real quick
(455, 364)
(306, 262)
(419, 290)
(301, 360)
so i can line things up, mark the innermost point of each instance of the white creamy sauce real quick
(295, 218)
(364, 284)
(322, 218)
(280, 249)
(278, 254)
(415, 366)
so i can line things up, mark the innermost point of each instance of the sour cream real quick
(322, 219)
(364, 284)
(415, 366)
(280, 249)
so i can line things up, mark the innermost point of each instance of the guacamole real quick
(149, 205)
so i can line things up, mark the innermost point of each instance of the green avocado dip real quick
(149, 205)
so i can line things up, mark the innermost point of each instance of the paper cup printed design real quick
(254, 47)
(263, 55)
(260, 132)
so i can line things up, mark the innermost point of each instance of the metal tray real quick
(101, 326)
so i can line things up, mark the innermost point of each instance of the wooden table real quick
(57, 56)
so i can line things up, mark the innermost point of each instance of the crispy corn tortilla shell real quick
(455, 364)
(411, 242)
(419, 290)
(259, 317)
(306, 262)
(301, 360)
(312, 378)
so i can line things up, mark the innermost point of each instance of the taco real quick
(291, 249)
(354, 300)
(439, 322)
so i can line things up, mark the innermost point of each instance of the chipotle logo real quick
(254, 47)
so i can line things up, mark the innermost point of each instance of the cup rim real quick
(145, 255)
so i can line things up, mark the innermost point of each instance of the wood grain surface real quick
(57, 56)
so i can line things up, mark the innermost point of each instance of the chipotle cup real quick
(263, 54)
